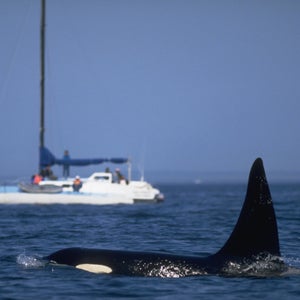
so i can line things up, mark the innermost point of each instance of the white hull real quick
(63, 198)
(102, 183)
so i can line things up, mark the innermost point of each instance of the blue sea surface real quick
(193, 220)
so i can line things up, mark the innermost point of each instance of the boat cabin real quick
(101, 176)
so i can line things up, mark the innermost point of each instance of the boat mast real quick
(42, 79)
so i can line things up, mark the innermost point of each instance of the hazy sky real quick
(174, 84)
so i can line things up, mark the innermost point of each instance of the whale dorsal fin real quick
(256, 229)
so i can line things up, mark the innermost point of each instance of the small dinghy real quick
(39, 189)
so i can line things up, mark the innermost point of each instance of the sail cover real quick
(48, 159)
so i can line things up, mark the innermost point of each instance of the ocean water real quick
(193, 220)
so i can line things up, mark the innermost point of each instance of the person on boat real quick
(107, 170)
(36, 179)
(66, 167)
(120, 178)
(77, 184)
(48, 173)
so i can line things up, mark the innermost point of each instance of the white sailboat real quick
(99, 188)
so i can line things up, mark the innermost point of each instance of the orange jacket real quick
(37, 179)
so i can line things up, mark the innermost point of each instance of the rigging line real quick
(54, 113)
(141, 164)
(81, 48)
(70, 30)
(11, 61)
(54, 116)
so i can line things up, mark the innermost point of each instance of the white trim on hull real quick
(63, 198)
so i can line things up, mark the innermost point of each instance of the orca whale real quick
(252, 248)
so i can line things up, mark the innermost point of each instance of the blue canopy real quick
(48, 159)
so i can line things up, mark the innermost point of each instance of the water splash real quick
(30, 262)
(261, 266)
(293, 261)
(165, 269)
(293, 266)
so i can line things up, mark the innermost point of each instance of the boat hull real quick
(98, 189)
(102, 183)
(11, 195)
